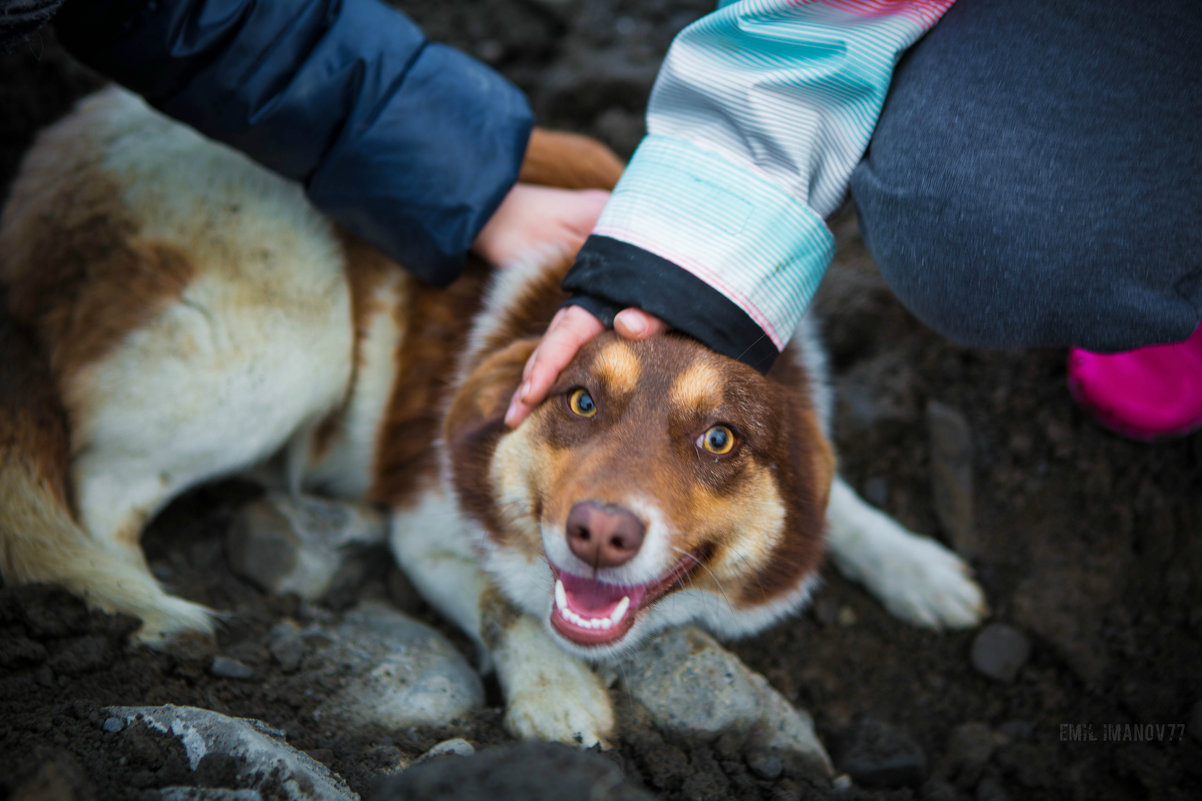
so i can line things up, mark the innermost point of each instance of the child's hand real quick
(570, 329)
(532, 217)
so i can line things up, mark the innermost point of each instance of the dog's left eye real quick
(718, 440)
(581, 403)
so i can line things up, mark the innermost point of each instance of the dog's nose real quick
(603, 535)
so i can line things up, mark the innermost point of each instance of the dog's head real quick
(660, 483)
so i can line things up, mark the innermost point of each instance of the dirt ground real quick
(1087, 545)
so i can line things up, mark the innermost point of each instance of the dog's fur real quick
(182, 314)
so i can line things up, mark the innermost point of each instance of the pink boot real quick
(1145, 394)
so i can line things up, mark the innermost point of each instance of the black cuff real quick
(610, 275)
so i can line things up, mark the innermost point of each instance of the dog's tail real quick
(569, 161)
(40, 539)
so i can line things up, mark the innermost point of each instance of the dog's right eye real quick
(581, 403)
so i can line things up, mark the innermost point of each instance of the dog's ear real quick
(569, 161)
(813, 456)
(476, 421)
(483, 397)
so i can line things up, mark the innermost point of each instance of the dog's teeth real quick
(619, 611)
(561, 603)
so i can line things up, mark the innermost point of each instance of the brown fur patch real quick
(698, 387)
(33, 424)
(78, 273)
(618, 368)
(83, 279)
(434, 326)
(805, 471)
(475, 422)
(569, 161)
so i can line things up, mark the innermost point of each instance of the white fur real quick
(346, 468)
(550, 695)
(258, 346)
(432, 544)
(916, 578)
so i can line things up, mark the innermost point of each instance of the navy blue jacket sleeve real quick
(410, 144)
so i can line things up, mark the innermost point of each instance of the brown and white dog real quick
(182, 314)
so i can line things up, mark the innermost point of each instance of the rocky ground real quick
(1084, 682)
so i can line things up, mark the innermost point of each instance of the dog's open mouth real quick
(588, 611)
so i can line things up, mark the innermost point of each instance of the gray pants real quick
(1036, 175)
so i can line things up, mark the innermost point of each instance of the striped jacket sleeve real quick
(759, 114)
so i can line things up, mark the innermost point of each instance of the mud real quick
(1089, 546)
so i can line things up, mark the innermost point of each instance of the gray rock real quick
(999, 651)
(990, 790)
(398, 672)
(225, 667)
(286, 644)
(969, 748)
(952, 476)
(264, 760)
(879, 754)
(531, 771)
(691, 685)
(301, 545)
(113, 725)
(207, 794)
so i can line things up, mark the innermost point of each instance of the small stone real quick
(456, 746)
(825, 611)
(969, 748)
(879, 754)
(304, 545)
(1195, 722)
(990, 790)
(937, 790)
(1016, 731)
(846, 616)
(841, 783)
(999, 651)
(113, 725)
(225, 667)
(952, 476)
(398, 672)
(287, 646)
(765, 763)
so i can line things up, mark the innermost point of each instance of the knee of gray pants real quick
(1034, 177)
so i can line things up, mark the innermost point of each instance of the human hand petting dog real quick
(532, 217)
(570, 329)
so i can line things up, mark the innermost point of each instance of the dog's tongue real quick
(592, 598)
(590, 612)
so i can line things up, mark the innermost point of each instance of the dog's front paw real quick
(915, 577)
(924, 583)
(550, 694)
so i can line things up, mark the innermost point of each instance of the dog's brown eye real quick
(718, 440)
(581, 403)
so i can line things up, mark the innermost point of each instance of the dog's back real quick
(190, 314)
